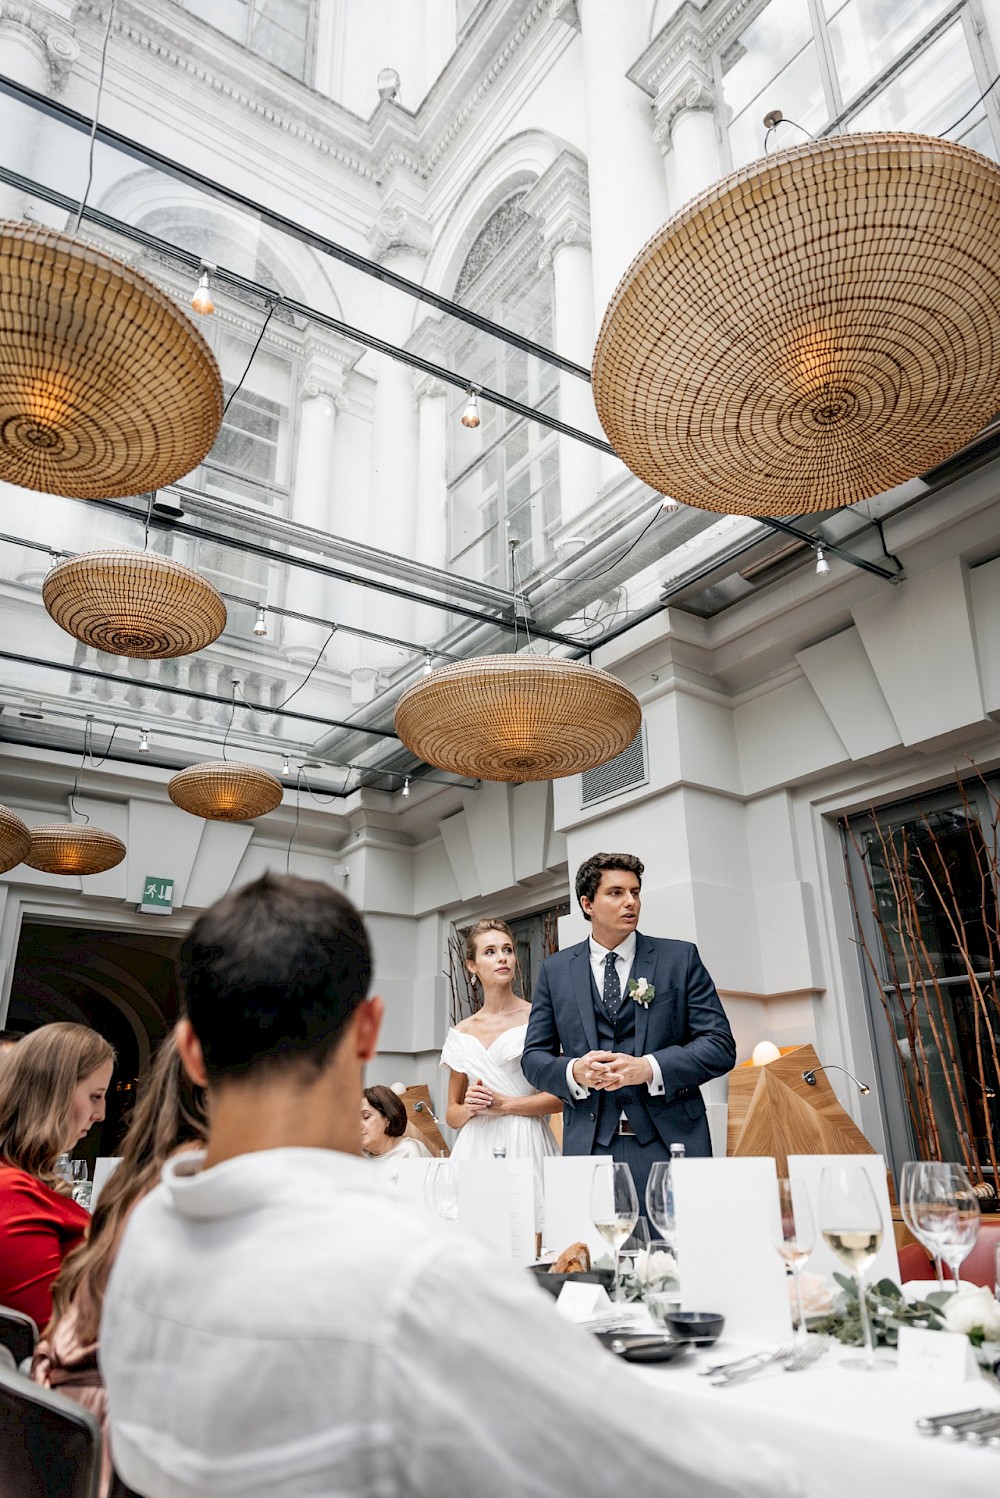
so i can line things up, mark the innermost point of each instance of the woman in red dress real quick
(52, 1089)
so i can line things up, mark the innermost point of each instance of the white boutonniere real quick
(642, 991)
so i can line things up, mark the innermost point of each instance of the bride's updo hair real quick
(480, 929)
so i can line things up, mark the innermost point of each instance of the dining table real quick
(848, 1433)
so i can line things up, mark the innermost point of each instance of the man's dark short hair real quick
(272, 973)
(588, 875)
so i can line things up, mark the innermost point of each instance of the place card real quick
(583, 1302)
(725, 1257)
(946, 1357)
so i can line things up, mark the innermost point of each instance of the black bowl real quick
(554, 1282)
(700, 1327)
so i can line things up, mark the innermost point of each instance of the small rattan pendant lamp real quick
(517, 717)
(224, 792)
(812, 330)
(73, 848)
(106, 386)
(134, 603)
(15, 839)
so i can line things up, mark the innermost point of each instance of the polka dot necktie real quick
(612, 995)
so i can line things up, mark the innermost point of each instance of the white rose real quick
(817, 1294)
(972, 1308)
(655, 1267)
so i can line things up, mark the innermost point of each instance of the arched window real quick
(503, 477)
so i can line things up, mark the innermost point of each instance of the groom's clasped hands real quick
(607, 1071)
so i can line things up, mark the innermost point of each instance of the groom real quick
(625, 1027)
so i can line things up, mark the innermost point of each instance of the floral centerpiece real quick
(970, 1309)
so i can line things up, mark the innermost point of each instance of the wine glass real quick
(614, 1208)
(441, 1189)
(660, 1202)
(793, 1234)
(961, 1228)
(851, 1223)
(82, 1186)
(911, 1184)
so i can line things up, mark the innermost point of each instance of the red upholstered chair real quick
(914, 1263)
(978, 1268)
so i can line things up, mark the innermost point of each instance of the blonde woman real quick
(490, 1103)
(52, 1090)
(169, 1116)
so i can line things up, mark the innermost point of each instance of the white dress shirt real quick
(284, 1326)
(624, 958)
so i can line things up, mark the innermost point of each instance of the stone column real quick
(559, 200)
(313, 503)
(686, 129)
(628, 195)
(401, 239)
(38, 49)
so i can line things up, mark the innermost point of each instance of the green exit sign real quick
(157, 895)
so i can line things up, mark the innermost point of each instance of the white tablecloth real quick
(851, 1435)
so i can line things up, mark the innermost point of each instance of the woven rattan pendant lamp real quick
(106, 386)
(225, 792)
(15, 839)
(812, 330)
(517, 717)
(134, 603)
(73, 848)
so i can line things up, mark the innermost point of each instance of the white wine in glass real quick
(851, 1223)
(614, 1208)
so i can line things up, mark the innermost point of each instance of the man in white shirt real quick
(625, 1028)
(278, 1323)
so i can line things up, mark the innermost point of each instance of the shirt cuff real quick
(655, 1083)
(578, 1092)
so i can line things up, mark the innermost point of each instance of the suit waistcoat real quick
(619, 1035)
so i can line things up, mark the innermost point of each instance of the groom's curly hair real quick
(588, 875)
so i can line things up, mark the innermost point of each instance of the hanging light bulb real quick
(202, 299)
(428, 664)
(143, 741)
(260, 627)
(470, 416)
(669, 503)
(822, 565)
(406, 786)
(286, 768)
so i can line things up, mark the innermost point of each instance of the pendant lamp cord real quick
(93, 123)
(518, 594)
(232, 715)
(74, 810)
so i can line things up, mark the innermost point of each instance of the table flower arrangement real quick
(970, 1309)
(649, 1271)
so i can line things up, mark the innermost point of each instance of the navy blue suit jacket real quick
(684, 1027)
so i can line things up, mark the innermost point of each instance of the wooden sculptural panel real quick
(773, 1111)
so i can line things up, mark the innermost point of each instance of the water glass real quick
(441, 1189)
(793, 1234)
(614, 1208)
(660, 1202)
(658, 1282)
(82, 1186)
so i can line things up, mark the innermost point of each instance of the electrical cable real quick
(988, 89)
(93, 126)
(253, 351)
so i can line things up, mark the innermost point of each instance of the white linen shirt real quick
(283, 1325)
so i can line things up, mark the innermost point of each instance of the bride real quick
(490, 1103)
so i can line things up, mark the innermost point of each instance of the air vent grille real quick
(622, 773)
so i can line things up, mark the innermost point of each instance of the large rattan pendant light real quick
(812, 330)
(73, 848)
(15, 839)
(517, 717)
(134, 603)
(106, 386)
(224, 792)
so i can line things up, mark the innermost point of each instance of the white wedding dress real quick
(498, 1066)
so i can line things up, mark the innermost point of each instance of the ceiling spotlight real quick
(260, 627)
(143, 741)
(822, 565)
(470, 416)
(669, 503)
(286, 768)
(428, 663)
(202, 299)
(406, 786)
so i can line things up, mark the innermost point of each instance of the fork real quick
(751, 1358)
(802, 1356)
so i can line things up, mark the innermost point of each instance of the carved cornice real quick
(560, 202)
(54, 33)
(325, 369)
(689, 86)
(399, 227)
(692, 32)
(565, 10)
